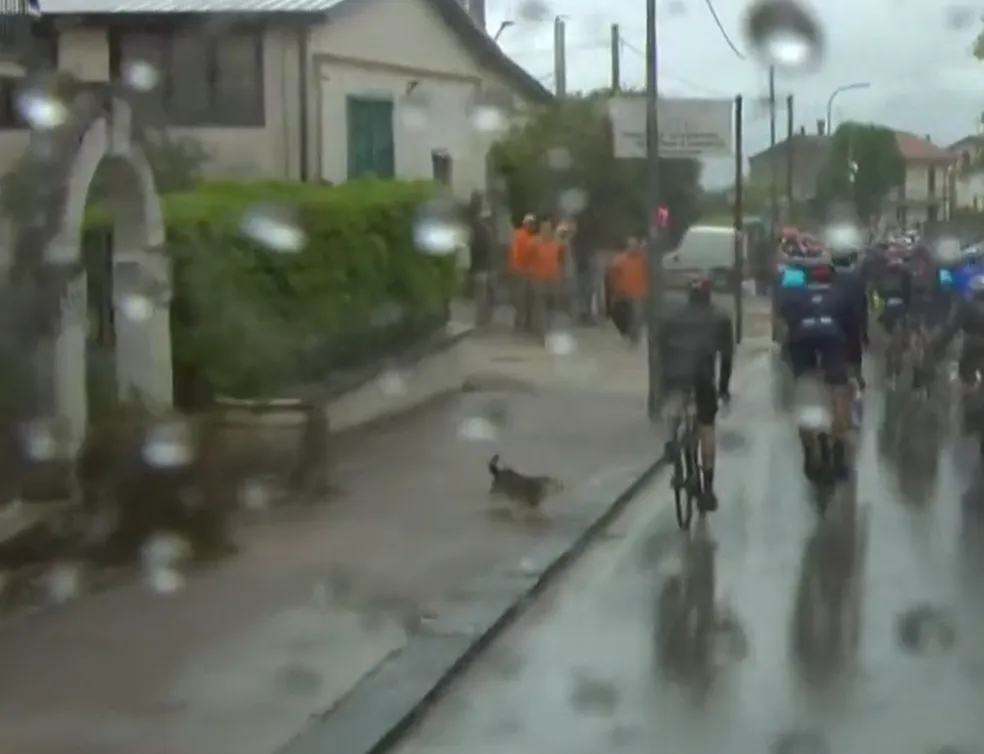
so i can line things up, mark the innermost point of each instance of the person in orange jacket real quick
(520, 261)
(629, 276)
(547, 262)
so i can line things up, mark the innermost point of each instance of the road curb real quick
(372, 717)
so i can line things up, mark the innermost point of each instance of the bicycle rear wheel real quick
(681, 488)
(692, 464)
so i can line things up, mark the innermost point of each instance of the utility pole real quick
(655, 300)
(790, 156)
(773, 162)
(616, 59)
(560, 56)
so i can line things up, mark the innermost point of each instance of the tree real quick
(864, 163)
(564, 150)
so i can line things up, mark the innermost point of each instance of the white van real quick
(705, 250)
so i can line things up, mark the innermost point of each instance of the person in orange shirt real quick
(547, 276)
(629, 277)
(520, 260)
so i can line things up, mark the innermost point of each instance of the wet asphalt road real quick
(581, 671)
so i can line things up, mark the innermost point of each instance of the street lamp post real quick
(833, 96)
(502, 27)
(655, 298)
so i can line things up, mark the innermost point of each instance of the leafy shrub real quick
(247, 320)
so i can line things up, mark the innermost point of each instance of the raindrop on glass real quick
(42, 110)
(140, 76)
(165, 580)
(489, 111)
(842, 235)
(561, 344)
(254, 495)
(676, 8)
(40, 438)
(439, 227)
(274, 227)
(64, 582)
(572, 201)
(392, 383)
(533, 11)
(163, 551)
(959, 17)
(136, 307)
(478, 429)
(415, 108)
(947, 250)
(168, 445)
(811, 406)
(784, 34)
(559, 158)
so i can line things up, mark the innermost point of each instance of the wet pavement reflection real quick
(770, 629)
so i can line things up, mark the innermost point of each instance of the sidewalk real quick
(238, 660)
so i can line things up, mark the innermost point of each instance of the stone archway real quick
(142, 347)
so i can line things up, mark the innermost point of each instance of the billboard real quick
(688, 128)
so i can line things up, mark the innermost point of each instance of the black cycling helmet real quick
(699, 290)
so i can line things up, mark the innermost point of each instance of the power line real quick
(672, 77)
(717, 21)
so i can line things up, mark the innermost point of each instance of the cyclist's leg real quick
(706, 405)
(802, 362)
(672, 403)
(835, 375)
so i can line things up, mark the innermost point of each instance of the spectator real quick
(520, 261)
(630, 286)
(547, 277)
(482, 249)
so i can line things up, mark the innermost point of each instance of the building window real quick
(43, 41)
(205, 79)
(371, 151)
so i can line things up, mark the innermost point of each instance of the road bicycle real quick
(684, 453)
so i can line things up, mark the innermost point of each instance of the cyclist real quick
(967, 317)
(929, 307)
(690, 340)
(851, 276)
(821, 313)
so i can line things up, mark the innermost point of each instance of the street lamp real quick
(833, 96)
(502, 27)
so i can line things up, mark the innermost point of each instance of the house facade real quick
(298, 89)
(922, 197)
(967, 179)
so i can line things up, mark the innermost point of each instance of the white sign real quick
(688, 128)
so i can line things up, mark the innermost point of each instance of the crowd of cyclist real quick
(922, 297)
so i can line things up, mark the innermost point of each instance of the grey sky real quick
(914, 53)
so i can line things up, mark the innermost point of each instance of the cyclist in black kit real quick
(690, 340)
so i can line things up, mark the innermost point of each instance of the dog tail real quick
(494, 465)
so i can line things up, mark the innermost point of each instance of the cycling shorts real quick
(825, 352)
(705, 396)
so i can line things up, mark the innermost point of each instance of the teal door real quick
(370, 138)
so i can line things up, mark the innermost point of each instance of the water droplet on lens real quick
(415, 108)
(168, 445)
(140, 76)
(439, 228)
(676, 8)
(136, 307)
(559, 158)
(572, 201)
(254, 495)
(42, 110)
(842, 235)
(533, 11)
(64, 582)
(488, 118)
(163, 550)
(40, 438)
(392, 383)
(561, 344)
(478, 429)
(274, 227)
(165, 580)
(784, 34)
(959, 17)
(947, 250)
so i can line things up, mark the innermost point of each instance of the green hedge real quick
(249, 321)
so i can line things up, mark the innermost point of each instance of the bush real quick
(248, 321)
